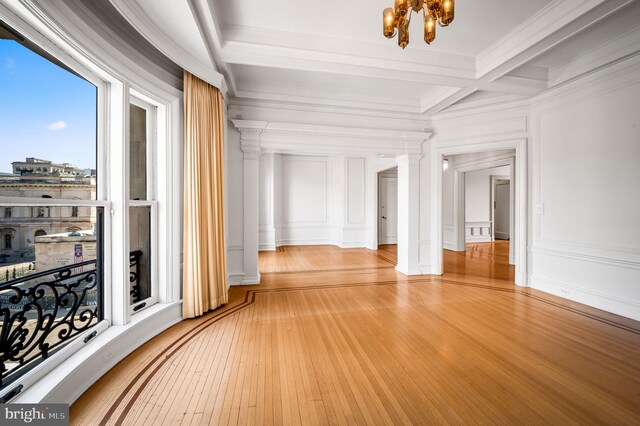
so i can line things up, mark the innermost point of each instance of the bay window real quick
(102, 243)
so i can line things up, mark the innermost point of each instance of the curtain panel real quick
(204, 251)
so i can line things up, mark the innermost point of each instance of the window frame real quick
(151, 121)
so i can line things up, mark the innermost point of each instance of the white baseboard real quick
(250, 280)
(501, 235)
(69, 380)
(357, 244)
(267, 247)
(409, 271)
(235, 278)
(613, 304)
(341, 244)
(449, 246)
(481, 239)
(295, 242)
(425, 269)
(393, 240)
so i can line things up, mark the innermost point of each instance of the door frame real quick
(519, 181)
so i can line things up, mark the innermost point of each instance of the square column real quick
(408, 213)
(250, 145)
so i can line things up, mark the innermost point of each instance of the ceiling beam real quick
(241, 53)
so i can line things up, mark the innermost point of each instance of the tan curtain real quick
(205, 266)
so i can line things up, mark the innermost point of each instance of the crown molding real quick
(307, 97)
(475, 105)
(316, 139)
(435, 96)
(501, 110)
(253, 108)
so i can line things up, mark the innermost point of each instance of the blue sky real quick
(45, 111)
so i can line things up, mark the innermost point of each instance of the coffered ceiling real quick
(332, 52)
(478, 24)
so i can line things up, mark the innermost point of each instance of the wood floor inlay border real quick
(142, 379)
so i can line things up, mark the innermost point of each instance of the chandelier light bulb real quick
(401, 7)
(447, 12)
(388, 22)
(429, 29)
(403, 34)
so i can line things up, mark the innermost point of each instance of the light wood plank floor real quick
(338, 337)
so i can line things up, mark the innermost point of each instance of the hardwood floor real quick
(338, 337)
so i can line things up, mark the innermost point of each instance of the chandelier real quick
(399, 17)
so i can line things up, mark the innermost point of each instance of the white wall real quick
(585, 190)
(303, 202)
(318, 200)
(478, 203)
(478, 193)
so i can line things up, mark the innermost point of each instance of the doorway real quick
(387, 210)
(477, 194)
(501, 207)
(388, 207)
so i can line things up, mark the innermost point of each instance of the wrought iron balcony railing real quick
(43, 312)
(134, 274)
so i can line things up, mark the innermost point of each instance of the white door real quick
(501, 214)
(388, 211)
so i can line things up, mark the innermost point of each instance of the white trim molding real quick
(332, 140)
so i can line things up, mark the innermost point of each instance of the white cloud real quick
(57, 125)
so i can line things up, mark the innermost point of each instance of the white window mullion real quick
(118, 149)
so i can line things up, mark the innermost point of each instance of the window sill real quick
(70, 379)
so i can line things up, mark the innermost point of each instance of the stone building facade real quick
(20, 225)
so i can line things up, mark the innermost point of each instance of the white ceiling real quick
(475, 27)
(332, 52)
